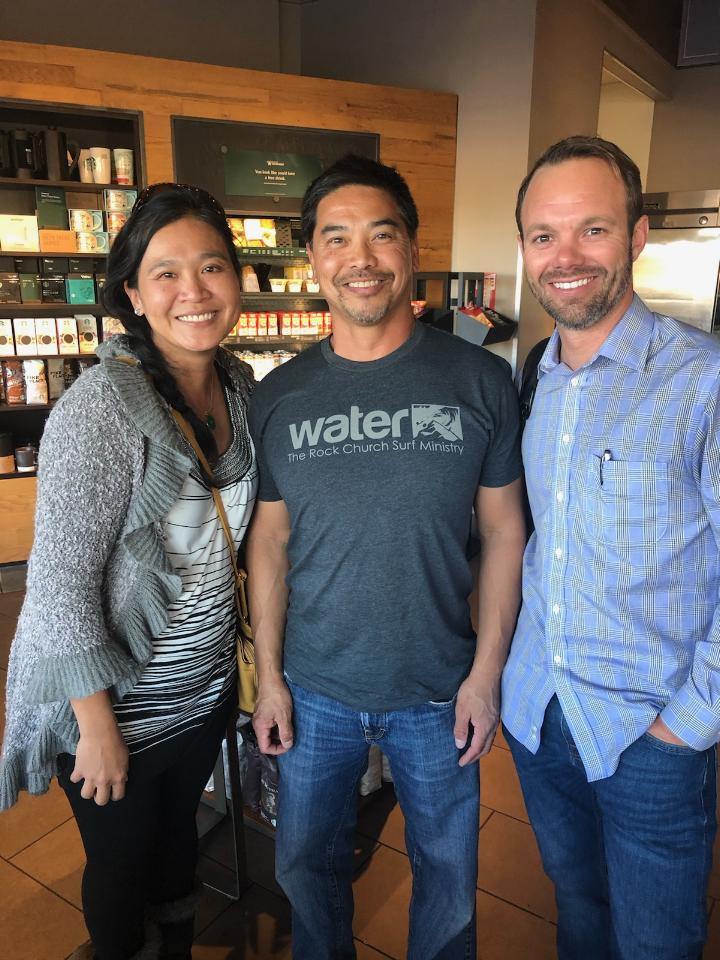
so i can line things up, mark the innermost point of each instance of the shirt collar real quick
(628, 342)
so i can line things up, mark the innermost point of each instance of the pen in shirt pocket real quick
(604, 457)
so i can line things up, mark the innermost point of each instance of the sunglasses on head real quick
(154, 189)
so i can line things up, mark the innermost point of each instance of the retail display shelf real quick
(273, 253)
(50, 253)
(17, 407)
(270, 342)
(48, 356)
(18, 474)
(66, 185)
(269, 295)
(48, 309)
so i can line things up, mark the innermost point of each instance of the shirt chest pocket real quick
(626, 503)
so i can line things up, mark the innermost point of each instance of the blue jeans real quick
(317, 814)
(629, 855)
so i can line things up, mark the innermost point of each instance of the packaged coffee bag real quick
(14, 383)
(36, 387)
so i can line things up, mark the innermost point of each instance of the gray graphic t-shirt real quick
(378, 464)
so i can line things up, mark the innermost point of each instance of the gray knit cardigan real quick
(112, 464)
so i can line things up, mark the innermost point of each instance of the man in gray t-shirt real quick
(374, 446)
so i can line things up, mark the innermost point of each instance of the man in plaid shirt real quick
(611, 694)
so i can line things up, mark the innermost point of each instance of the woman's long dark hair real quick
(158, 206)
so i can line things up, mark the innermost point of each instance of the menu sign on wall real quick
(256, 173)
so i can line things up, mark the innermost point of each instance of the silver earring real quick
(139, 313)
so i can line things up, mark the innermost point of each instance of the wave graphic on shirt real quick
(434, 420)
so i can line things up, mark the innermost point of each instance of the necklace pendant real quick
(210, 421)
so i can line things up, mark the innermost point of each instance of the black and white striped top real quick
(193, 664)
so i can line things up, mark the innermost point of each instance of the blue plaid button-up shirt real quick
(621, 579)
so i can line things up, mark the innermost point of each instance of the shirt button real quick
(557, 658)
(574, 382)
(558, 553)
(559, 496)
(566, 438)
(556, 608)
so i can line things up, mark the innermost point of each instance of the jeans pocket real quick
(662, 746)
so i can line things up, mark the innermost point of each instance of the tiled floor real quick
(41, 863)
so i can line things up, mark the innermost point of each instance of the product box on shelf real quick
(54, 266)
(9, 288)
(58, 241)
(67, 335)
(87, 332)
(52, 289)
(7, 343)
(262, 324)
(115, 220)
(51, 208)
(46, 335)
(272, 324)
(25, 338)
(26, 264)
(92, 242)
(252, 324)
(80, 288)
(30, 290)
(119, 200)
(19, 232)
(85, 221)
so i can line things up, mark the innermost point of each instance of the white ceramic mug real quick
(123, 161)
(101, 164)
(85, 165)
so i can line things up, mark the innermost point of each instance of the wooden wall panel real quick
(17, 512)
(417, 128)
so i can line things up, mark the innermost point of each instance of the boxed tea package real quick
(67, 335)
(54, 266)
(52, 290)
(92, 242)
(25, 339)
(80, 288)
(19, 232)
(30, 290)
(87, 332)
(7, 343)
(9, 288)
(56, 380)
(36, 388)
(46, 334)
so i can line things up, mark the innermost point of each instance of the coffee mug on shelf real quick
(101, 164)
(123, 162)
(85, 166)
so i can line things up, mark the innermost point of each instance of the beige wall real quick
(626, 118)
(685, 147)
(235, 33)
(571, 37)
(483, 52)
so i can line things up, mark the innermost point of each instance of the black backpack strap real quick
(529, 379)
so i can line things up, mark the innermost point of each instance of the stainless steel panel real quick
(673, 221)
(677, 274)
(683, 200)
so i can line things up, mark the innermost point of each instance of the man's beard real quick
(585, 313)
(371, 314)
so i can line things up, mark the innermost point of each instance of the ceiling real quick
(658, 22)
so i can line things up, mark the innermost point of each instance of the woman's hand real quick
(101, 758)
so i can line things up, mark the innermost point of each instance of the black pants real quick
(142, 850)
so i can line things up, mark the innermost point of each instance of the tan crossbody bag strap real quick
(240, 574)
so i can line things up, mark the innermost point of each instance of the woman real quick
(122, 672)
